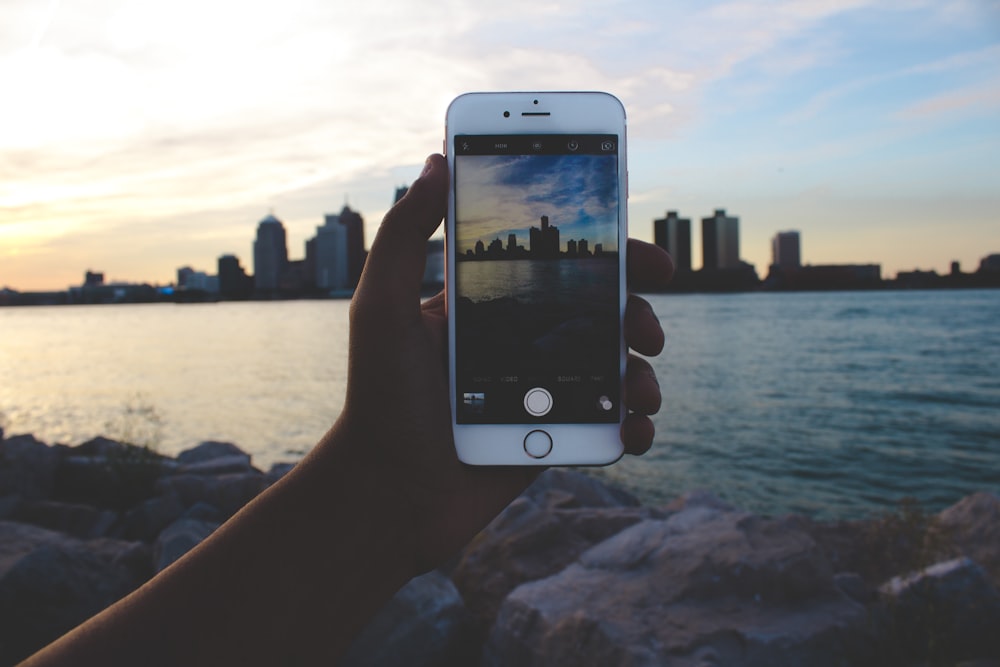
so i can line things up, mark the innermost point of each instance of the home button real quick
(538, 444)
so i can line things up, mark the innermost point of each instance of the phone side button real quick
(538, 444)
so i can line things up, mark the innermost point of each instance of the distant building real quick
(183, 274)
(673, 234)
(400, 192)
(543, 243)
(93, 279)
(990, 264)
(720, 241)
(339, 251)
(234, 283)
(270, 254)
(434, 266)
(786, 250)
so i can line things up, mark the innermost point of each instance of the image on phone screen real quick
(537, 303)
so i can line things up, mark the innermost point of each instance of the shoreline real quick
(570, 548)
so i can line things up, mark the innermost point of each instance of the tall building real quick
(400, 193)
(786, 250)
(544, 242)
(673, 234)
(720, 241)
(270, 253)
(340, 250)
(233, 280)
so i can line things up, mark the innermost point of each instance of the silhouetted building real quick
(673, 234)
(270, 254)
(571, 248)
(183, 274)
(543, 243)
(720, 241)
(93, 279)
(990, 264)
(786, 250)
(434, 267)
(400, 192)
(332, 269)
(234, 283)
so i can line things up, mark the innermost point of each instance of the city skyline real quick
(135, 137)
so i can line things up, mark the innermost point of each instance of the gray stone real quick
(145, 521)
(704, 586)
(227, 492)
(49, 583)
(221, 465)
(100, 446)
(559, 487)
(117, 482)
(421, 626)
(27, 467)
(531, 540)
(82, 521)
(202, 511)
(973, 526)
(210, 449)
(944, 613)
(178, 538)
(277, 471)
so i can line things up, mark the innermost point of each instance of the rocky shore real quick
(571, 573)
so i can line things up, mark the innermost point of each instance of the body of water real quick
(833, 404)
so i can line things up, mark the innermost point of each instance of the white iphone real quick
(536, 235)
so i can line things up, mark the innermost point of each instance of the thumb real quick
(390, 283)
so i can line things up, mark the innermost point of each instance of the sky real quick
(498, 195)
(139, 136)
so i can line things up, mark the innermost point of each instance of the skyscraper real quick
(340, 250)
(270, 253)
(233, 280)
(785, 250)
(673, 234)
(544, 243)
(720, 241)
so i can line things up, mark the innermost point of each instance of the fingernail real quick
(427, 167)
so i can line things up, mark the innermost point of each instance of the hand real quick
(397, 417)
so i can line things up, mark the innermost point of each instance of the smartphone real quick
(535, 237)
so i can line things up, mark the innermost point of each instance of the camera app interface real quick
(536, 279)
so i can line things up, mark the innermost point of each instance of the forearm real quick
(289, 580)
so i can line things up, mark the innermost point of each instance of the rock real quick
(277, 471)
(536, 536)
(82, 521)
(227, 492)
(559, 487)
(145, 521)
(973, 526)
(178, 538)
(116, 482)
(49, 583)
(704, 586)
(699, 498)
(202, 511)
(232, 463)
(100, 446)
(421, 626)
(945, 613)
(210, 449)
(27, 467)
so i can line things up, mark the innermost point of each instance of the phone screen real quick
(537, 302)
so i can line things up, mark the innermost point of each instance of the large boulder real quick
(116, 481)
(49, 583)
(210, 450)
(82, 521)
(422, 625)
(228, 492)
(145, 521)
(973, 527)
(704, 586)
(178, 538)
(557, 518)
(27, 467)
(943, 614)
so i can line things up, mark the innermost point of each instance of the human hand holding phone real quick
(398, 400)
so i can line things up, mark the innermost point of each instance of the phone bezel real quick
(536, 113)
